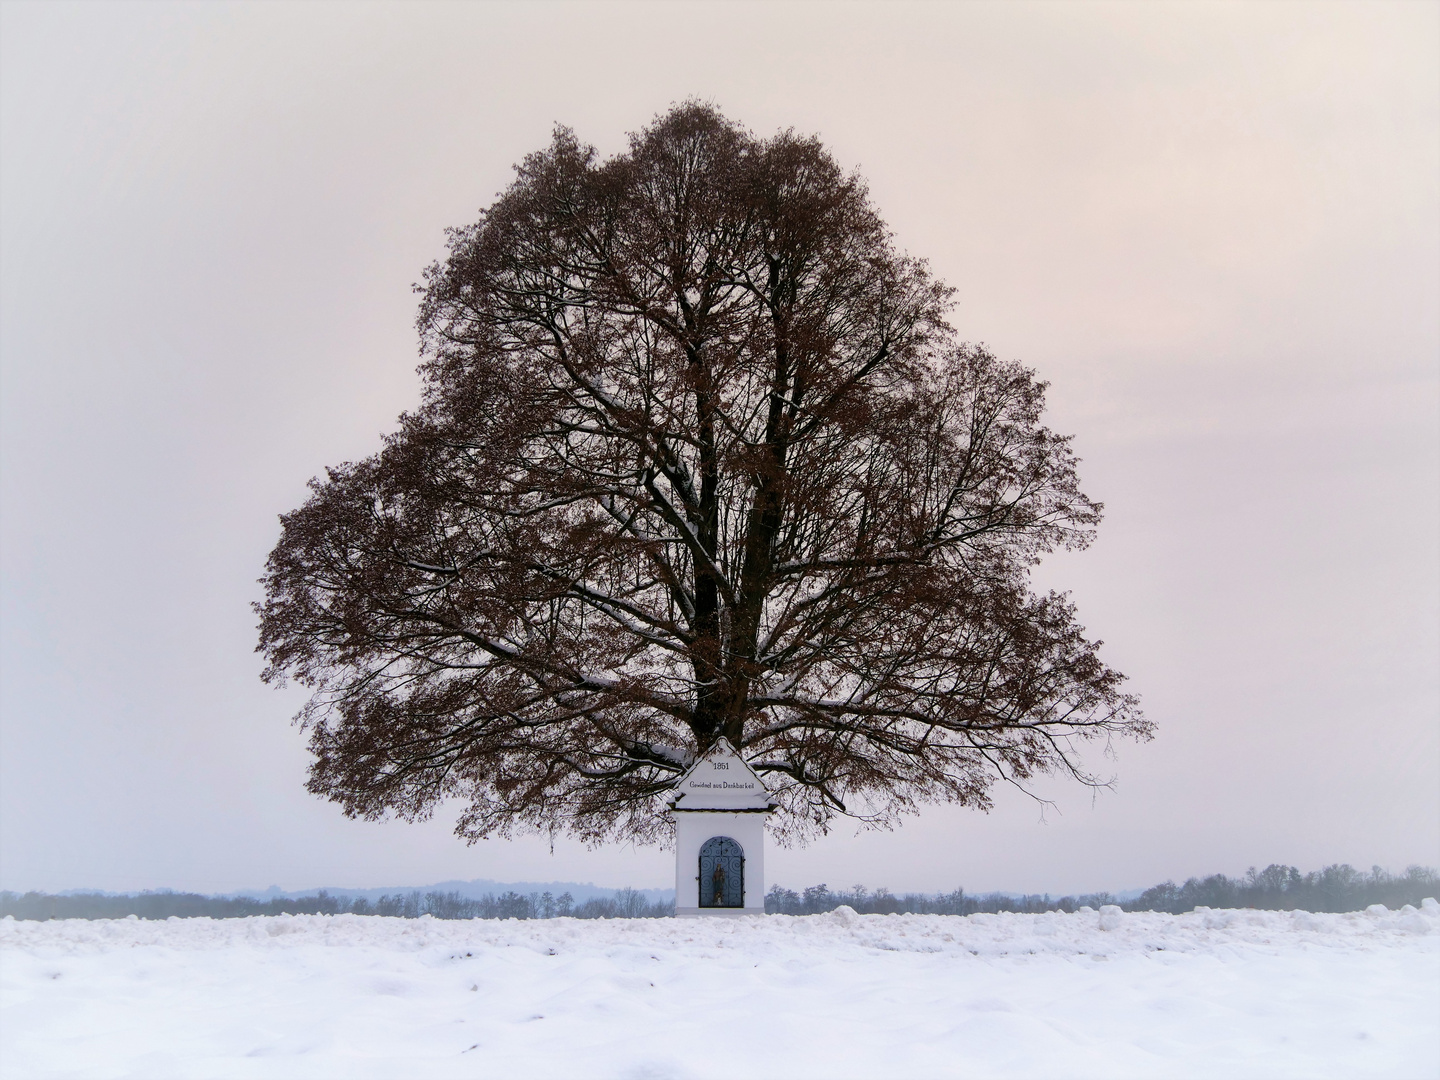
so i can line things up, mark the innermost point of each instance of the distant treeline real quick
(1277, 888)
(625, 904)
(1284, 888)
(819, 898)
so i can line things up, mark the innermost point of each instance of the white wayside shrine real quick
(719, 811)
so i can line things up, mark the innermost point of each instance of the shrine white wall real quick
(691, 831)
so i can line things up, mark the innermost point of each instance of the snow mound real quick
(1004, 934)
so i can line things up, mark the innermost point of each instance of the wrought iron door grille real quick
(722, 873)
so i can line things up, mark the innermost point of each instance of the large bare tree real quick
(698, 455)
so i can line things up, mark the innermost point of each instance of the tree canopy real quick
(698, 455)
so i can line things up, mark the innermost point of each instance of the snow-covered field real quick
(1231, 994)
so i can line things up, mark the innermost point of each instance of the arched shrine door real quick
(722, 873)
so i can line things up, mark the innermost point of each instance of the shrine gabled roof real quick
(720, 780)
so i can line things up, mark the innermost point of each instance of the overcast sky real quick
(1215, 229)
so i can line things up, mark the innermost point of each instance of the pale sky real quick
(1214, 228)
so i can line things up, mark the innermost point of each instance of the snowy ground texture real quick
(1233, 994)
